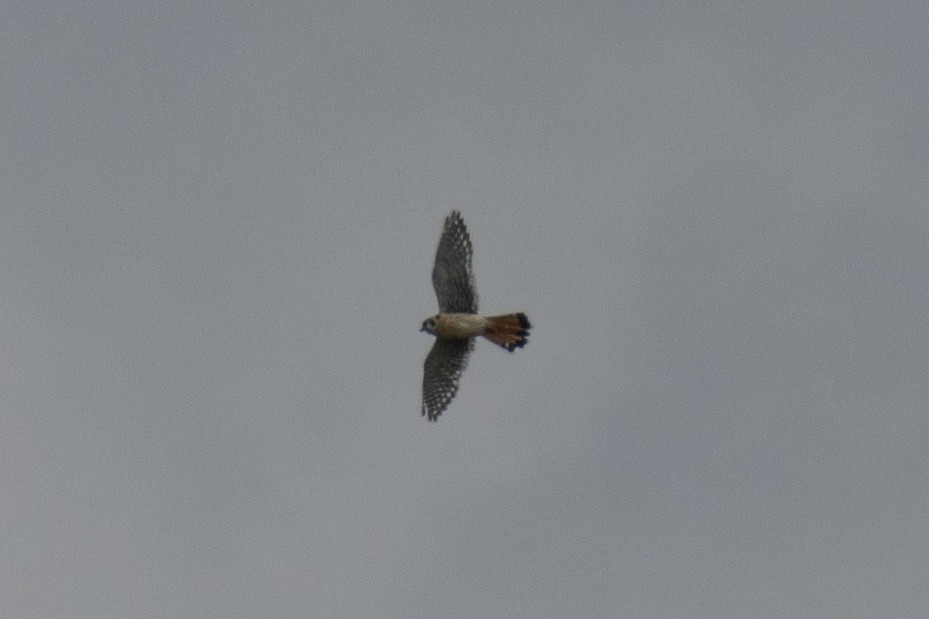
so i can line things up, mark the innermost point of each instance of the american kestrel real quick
(458, 323)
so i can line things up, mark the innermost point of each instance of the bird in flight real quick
(457, 324)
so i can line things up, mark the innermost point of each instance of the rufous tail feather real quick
(509, 331)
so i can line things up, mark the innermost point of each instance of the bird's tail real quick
(509, 331)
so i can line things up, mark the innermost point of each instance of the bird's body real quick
(458, 321)
(457, 325)
(509, 331)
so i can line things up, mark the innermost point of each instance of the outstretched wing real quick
(452, 278)
(441, 373)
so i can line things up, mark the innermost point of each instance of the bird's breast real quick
(460, 325)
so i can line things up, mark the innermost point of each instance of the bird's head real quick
(429, 325)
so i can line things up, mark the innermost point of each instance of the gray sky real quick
(218, 225)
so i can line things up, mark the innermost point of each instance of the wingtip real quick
(429, 415)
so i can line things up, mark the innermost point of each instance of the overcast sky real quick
(218, 226)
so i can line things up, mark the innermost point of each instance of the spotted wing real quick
(441, 373)
(452, 278)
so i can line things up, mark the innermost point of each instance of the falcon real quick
(458, 323)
